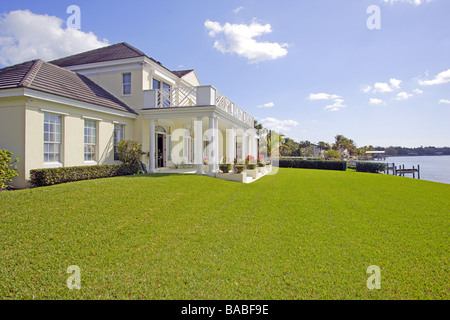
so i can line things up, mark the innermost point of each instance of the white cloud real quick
(26, 36)
(446, 101)
(366, 89)
(338, 102)
(336, 106)
(238, 9)
(415, 2)
(278, 125)
(376, 101)
(382, 87)
(239, 39)
(418, 91)
(403, 96)
(395, 84)
(441, 78)
(322, 96)
(266, 105)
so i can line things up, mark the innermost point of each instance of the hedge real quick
(50, 176)
(372, 167)
(313, 164)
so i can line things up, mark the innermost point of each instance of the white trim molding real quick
(55, 112)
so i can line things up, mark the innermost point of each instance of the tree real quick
(323, 145)
(257, 125)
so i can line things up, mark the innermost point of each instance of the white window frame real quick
(126, 83)
(59, 163)
(95, 160)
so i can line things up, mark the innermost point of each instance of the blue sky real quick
(311, 68)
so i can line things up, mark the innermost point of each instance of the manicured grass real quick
(299, 234)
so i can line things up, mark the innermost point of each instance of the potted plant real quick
(205, 165)
(239, 168)
(225, 167)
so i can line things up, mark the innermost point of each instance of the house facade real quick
(73, 112)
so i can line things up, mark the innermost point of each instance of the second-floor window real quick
(126, 83)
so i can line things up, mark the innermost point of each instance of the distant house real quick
(75, 110)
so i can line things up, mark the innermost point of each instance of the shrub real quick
(7, 170)
(50, 176)
(129, 151)
(313, 164)
(372, 167)
(238, 168)
(251, 166)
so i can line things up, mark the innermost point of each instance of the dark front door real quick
(161, 151)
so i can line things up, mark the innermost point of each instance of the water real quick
(432, 168)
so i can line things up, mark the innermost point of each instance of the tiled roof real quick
(117, 51)
(113, 52)
(48, 78)
(182, 73)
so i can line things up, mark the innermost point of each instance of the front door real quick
(160, 150)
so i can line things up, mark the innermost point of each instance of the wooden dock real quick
(389, 168)
(401, 171)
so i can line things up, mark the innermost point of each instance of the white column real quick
(217, 145)
(244, 145)
(211, 147)
(231, 144)
(199, 145)
(152, 146)
(254, 146)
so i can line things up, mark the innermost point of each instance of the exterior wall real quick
(192, 79)
(112, 82)
(22, 132)
(12, 133)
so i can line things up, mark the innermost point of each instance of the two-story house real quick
(74, 111)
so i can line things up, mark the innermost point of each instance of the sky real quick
(375, 71)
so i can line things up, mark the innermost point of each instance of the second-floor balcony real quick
(194, 97)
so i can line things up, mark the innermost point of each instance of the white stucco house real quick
(73, 111)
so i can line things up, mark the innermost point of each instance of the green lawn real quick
(299, 234)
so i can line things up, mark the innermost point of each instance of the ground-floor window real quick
(119, 135)
(52, 137)
(90, 140)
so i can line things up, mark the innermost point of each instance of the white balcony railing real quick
(194, 96)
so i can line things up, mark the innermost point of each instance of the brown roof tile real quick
(113, 52)
(46, 77)
(110, 53)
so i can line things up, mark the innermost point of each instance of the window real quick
(90, 140)
(126, 83)
(52, 137)
(119, 135)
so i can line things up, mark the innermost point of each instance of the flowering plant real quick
(129, 151)
(249, 159)
(205, 161)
